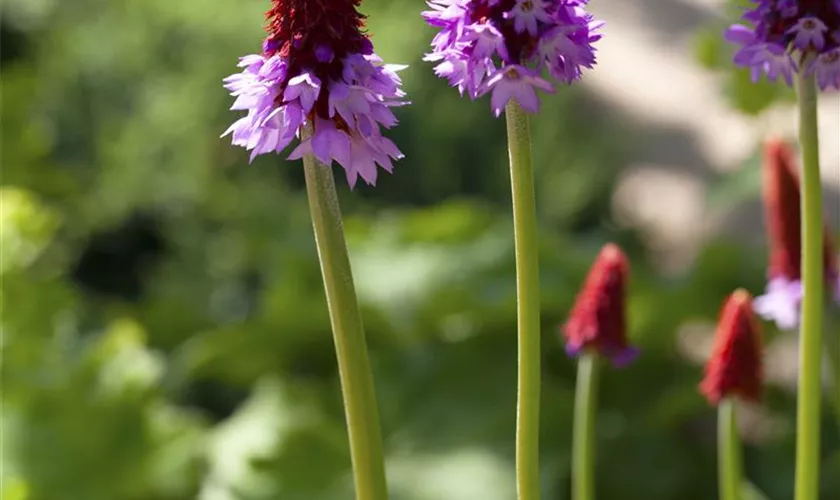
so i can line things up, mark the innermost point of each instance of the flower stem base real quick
(353, 365)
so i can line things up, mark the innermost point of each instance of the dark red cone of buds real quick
(782, 200)
(735, 367)
(316, 35)
(598, 320)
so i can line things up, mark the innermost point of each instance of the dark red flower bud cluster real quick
(316, 36)
(598, 320)
(735, 365)
(782, 200)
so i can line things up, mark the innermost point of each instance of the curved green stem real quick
(813, 276)
(729, 452)
(583, 437)
(353, 365)
(527, 302)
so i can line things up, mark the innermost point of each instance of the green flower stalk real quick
(527, 303)
(583, 438)
(596, 328)
(353, 365)
(317, 79)
(796, 40)
(504, 48)
(734, 370)
(729, 452)
(810, 340)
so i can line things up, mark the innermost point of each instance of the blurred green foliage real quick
(164, 331)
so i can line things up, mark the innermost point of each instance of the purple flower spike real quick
(500, 47)
(318, 68)
(783, 37)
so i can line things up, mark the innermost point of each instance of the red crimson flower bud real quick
(735, 367)
(598, 319)
(782, 200)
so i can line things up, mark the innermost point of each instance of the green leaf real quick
(709, 48)
(754, 97)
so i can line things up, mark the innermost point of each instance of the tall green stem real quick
(583, 437)
(353, 365)
(810, 343)
(729, 452)
(527, 303)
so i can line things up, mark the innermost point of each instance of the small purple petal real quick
(809, 31)
(305, 87)
(515, 82)
(740, 34)
(826, 69)
(780, 303)
(324, 53)
(526, 15)
(624, 357)
(572, 350)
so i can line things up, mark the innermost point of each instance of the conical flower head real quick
(317, 69)
(735, 366)
(598, 319)
(502, 47)
(782, 205)
(783, 37)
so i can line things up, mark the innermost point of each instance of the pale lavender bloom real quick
(488, 40)
(305, 87)
(808, 31)
(355, 108)
(826, 69)
(781, 302)
(515, 82)
(768, 58)
(318, 72)
(472, 51)
(526, 14)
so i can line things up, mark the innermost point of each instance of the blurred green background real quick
(164, 330)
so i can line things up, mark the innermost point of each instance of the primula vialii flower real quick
(782, 299)
(598, 318)
(782, 37)
(317, 68)
(734, 368)
(502, 46)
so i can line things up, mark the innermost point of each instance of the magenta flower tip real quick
(501, 46)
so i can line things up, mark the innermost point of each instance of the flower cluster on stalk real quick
(317, 71)
(783, 37)
(735, 366)
(782, 299)
(501, 46)
(598, 319)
